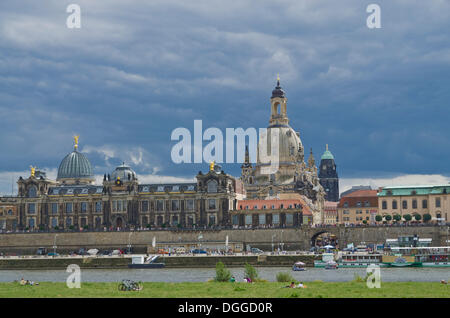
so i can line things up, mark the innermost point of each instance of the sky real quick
(137, 70)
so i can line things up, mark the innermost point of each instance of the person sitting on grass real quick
(300, 285)
(232, 279)
(292, 285)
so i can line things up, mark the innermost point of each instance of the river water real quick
(204, 274)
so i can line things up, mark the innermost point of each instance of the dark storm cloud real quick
(138, 69)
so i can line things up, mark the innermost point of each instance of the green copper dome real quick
(327, 155)
(75, 166)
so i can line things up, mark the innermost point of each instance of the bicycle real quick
(129, 285)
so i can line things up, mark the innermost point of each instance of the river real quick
(204, 274)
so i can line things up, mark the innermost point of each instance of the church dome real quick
(278, 91)
(122, 172)
(289, 144)
(75, 166)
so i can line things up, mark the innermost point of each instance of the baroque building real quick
(73, 201)
(293, 178)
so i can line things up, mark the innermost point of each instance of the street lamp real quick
(129, 242)
(54, 245)
(272, 241)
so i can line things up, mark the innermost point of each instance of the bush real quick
(388, 217)
(378, 218)
(283, 277)
(250, 272)
(397, 217)
(407, 217)
(148, 226)
(365, 221)
(426, 217)
(417, 217)
(222, 273)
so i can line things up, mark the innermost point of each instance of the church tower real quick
(328, 176)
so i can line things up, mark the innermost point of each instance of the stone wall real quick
(294, 238)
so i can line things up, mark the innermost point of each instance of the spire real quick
(247, 156)
(278, 80)
(311, 161)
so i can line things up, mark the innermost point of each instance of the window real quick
(358, 204)
(276, 218)
(424, 204)
(144, 206)
(404, 204)
(212, 204)
(175, 205)
(159, 205)
(235, 219)
(212, 186)
(31, 208)
(98, 206)
(54, 222)
(31, 222)
(345, 204)
(212, 220)
(190, 205)
(414, 204)
(175, 220)
(262, 219)
(289, 218)
(438, 202)
(394, 204)
(119, 205)
(255, 207)
(69, 207)
(32, 192)
(384, 205)
(69, 222)
(54, 208)
(248, 219)
(83, 207)
(367, 204)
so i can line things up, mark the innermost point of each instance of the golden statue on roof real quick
(33, 170)
(211, 166)
(75, 139)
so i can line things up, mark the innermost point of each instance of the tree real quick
(222, 273)
(365, 221)
(397, 217)
(417, 217)
(388, 217)
(426, 217)
(407, 217)
(250, 272)
(378, 218)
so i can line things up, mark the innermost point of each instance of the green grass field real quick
(230, 290)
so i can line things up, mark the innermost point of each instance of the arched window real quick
(424, 204)
(32, 192)
(212, 186)
(394, 204)
(384, 205)
(404, 204)
(414, 204)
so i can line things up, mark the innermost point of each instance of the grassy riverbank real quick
(231, 290)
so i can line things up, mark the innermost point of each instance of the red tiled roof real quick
(362, 193)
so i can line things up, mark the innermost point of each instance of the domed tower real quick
(290, 148)
(328, 176)
(123, 173)
(75, 168)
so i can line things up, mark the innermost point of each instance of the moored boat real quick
(299, 266)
